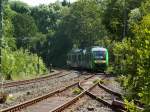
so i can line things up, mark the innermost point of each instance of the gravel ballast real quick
(29, 91)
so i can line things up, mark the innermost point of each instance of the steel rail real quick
(116, 102)
(72, 101)
(38, 99)
(93, 96)
(85, 92)
(29, 81)
(118, 108)
(35, 100)
(109, 90)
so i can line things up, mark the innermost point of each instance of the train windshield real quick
(99, 55)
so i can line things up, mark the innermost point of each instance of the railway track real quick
(101, 100)
(64, 98)
(117, 100)
(60, 99)
(107, 98)
(25, 92)
(25, 82)
(39, 99)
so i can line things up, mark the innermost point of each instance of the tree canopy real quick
(83, 24)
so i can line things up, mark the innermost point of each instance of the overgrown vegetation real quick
(21, 64)
(130, 106)
(76, 91)
(18, 63)
(98, 81)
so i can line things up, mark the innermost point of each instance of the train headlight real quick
(97, 61)
(103, 61)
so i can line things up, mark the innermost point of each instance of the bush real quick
(97, 81)
(76, 91)
(133, 61)
(130, 106)
(21, 64)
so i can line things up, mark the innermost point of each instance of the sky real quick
(37, 2)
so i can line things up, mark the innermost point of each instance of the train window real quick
(99, 54)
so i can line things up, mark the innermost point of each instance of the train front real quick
(100, 58)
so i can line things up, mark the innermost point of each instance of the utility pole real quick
(1, 34)
(125, 22)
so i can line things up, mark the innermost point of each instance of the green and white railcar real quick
(95, 58)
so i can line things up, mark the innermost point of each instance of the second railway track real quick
(29, 81)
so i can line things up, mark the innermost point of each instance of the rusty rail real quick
(35, 100)
(116, 103)
(72, 101)
(117, 108)
(38, 99)
(23, 82)
(109, 90)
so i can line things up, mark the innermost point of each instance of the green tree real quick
(65, 3)
(135, 59)
(144, 8)
(116, 17)
(18, 64)
(83, 25)
(58, 47)
(21, 64)
(20, 7)
(47, 17)
(8, 29)
(24, 29)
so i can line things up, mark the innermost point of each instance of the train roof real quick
(97, 48)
